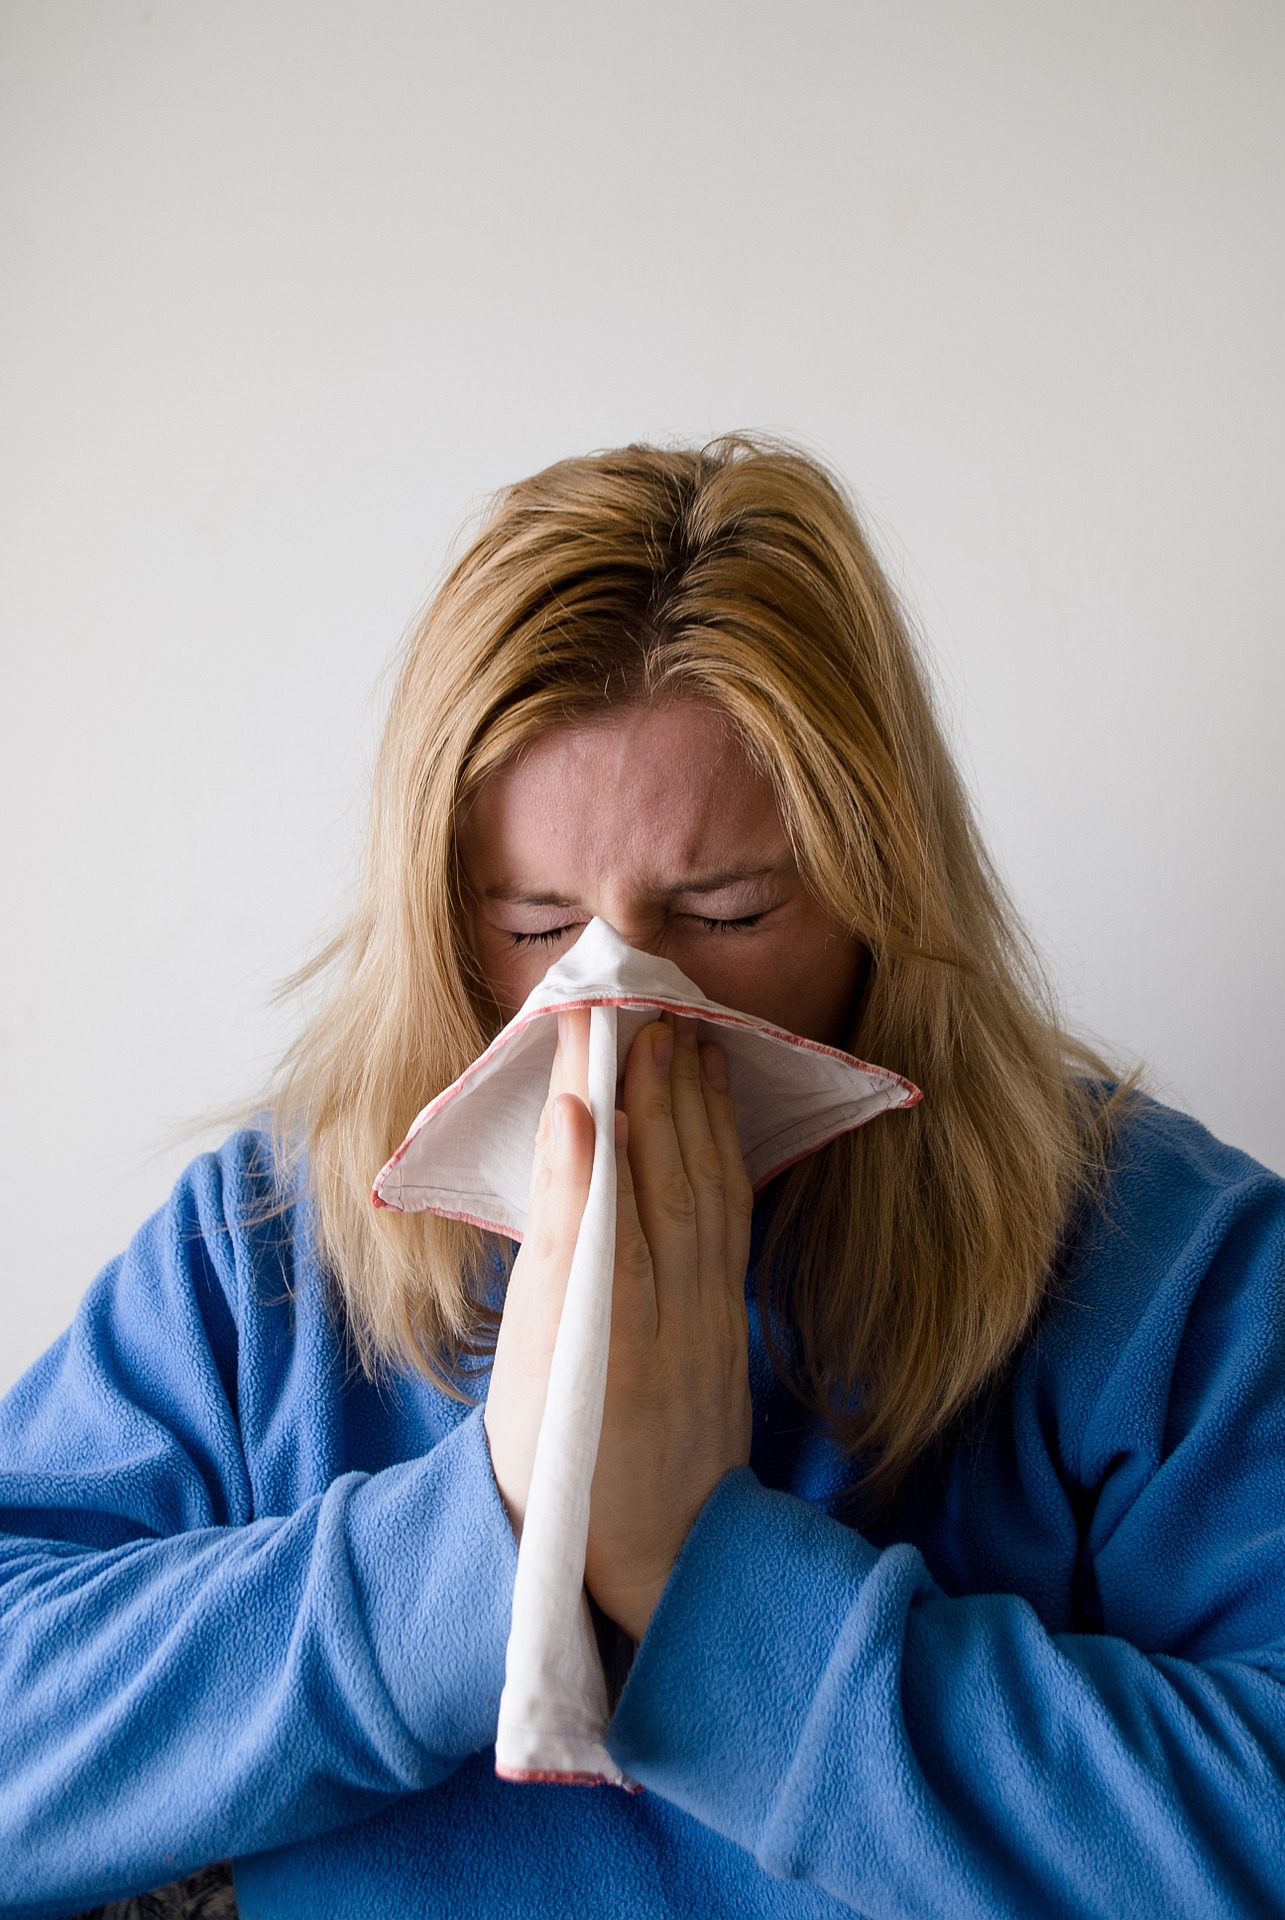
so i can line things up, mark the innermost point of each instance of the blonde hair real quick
(907, 1260)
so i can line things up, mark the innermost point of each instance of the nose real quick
(642, 926)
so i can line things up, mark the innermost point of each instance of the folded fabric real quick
(468, 1155)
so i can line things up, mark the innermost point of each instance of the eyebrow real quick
(693, 888)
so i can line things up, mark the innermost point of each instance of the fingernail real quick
(714, 1062)
(662, 1048)
(557, 1119)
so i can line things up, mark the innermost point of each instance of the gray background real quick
(288, 289)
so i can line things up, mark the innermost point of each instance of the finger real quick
(544, 1127)
(571, 1058)
(569, 1074)
(664, 1197)
(559, 1149)
(528, 1329)
(738, 1195)
(559, 1189)
(633, 1296)
(541, 1155)
(702, 1160)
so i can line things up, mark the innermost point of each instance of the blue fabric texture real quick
(253, 1605)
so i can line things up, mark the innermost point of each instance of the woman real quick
(937, 1512)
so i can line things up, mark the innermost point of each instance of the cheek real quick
(510, 972)
(808, 985)
(832, 990)
(738, 971)
(838, 986)
(744, 979)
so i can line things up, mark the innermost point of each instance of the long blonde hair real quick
(908, 1259)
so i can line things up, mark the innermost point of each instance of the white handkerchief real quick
(468, 1155)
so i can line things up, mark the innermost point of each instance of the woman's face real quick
(653, 818)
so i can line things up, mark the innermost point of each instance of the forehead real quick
(660, 793)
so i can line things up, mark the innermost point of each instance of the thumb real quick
(559, 1189)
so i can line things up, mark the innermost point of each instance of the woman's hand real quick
(677, 1415)
(677, 1412)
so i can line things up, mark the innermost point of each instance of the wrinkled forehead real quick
(660, 793)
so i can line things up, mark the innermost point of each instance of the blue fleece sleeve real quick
(829, 1707)
(180, 1679)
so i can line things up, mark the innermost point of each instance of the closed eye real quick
(545, 938)
(548, 936)
(742, 925)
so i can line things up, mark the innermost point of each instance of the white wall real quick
(288, 288)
